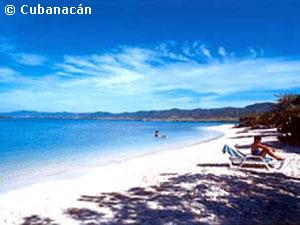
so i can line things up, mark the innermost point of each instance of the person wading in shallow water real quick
(257, 148)
(156, 134)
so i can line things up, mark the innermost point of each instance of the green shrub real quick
(285, 116)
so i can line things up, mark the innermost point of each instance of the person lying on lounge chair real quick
(257, 148)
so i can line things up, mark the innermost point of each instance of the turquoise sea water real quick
(33, 150)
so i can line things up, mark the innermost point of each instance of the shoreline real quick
(52, 198)
(71, 168)
(57, 189)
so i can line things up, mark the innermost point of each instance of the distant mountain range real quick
(217, 114)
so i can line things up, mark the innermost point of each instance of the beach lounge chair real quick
(239, 159)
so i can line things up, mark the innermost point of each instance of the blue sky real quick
(140, 55)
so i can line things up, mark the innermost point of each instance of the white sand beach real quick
(189, 185)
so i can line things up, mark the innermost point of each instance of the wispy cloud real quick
(206, 52)
(253, 52)
(29, 59)
(7, 75)
(5, 45)
(165, 76)
(222, 52)
(10, 51)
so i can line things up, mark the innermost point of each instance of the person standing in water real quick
(156, 134)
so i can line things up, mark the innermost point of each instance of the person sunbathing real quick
(257, 148)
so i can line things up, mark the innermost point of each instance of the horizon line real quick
(237, 107)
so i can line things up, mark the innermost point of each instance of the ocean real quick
(34, 150)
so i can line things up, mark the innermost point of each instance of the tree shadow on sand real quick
(254, 198)
(37, 220)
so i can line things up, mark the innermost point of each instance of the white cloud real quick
(29, 59)
(129, 78)
(206, 52)
(253, 52)
(9, 50)
(5, 45)
(222, 51)
(167, 50)
(7, 74)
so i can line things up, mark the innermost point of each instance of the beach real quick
(190, 184)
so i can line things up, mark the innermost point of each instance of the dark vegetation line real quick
(218, 114)
(285, 116)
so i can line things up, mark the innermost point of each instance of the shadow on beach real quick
(253, 135)
(37, 220)
(255, 198)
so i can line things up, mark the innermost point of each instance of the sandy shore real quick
(190, 185)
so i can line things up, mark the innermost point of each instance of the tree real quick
(285, 117)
